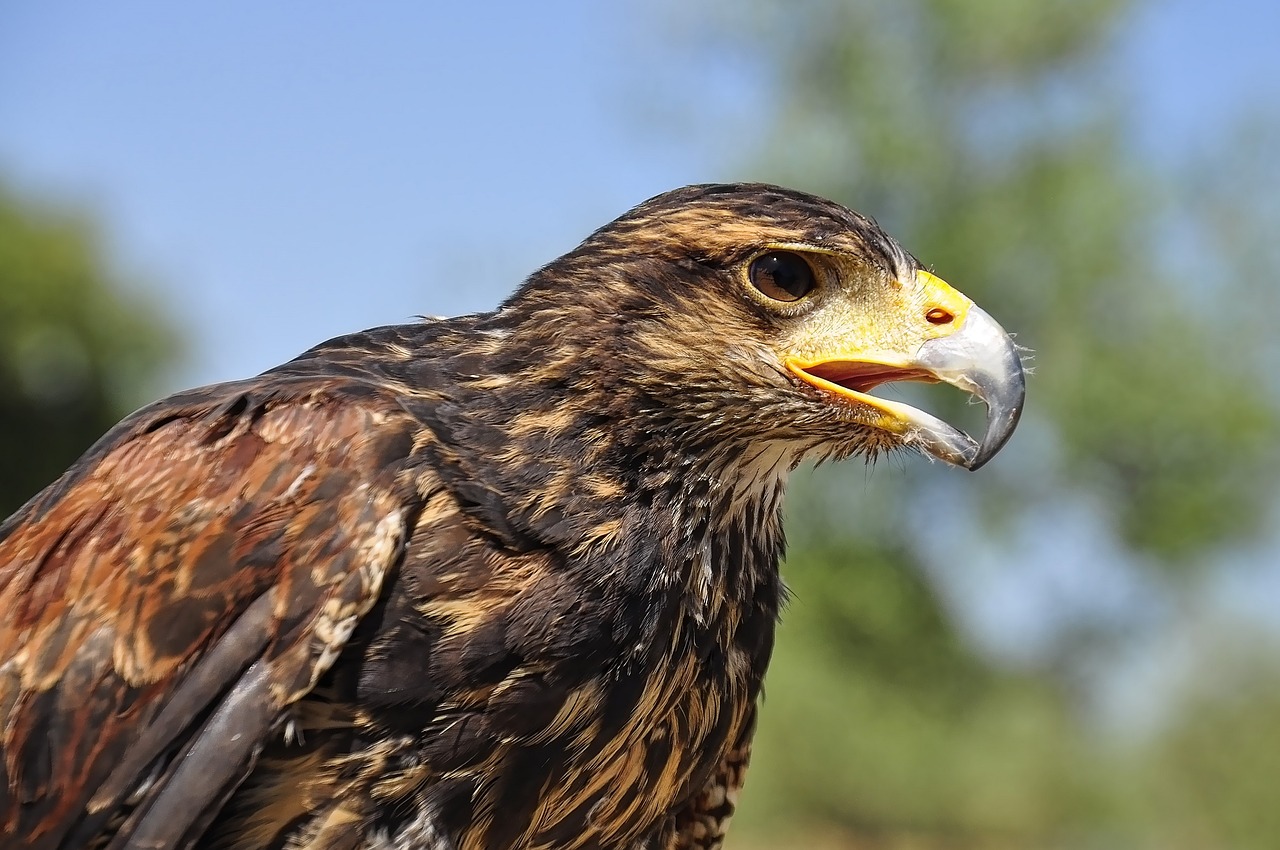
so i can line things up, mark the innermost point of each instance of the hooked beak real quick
(977, 356)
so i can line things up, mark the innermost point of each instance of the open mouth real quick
(852, 381)
(858, 377)
(980, 358)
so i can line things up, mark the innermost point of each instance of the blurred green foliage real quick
(77, 349)
(992, 137)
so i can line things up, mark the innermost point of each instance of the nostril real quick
(939, 316)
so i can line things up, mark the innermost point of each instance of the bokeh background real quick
(1077, 648)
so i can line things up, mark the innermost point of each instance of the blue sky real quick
(280, 173)
(283, 172)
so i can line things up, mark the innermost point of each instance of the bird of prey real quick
(507, 580)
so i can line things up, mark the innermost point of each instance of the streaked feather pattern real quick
(502, 581)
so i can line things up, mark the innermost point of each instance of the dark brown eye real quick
(782, 276)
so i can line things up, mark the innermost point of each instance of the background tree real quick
(78, 349)
(993, 139)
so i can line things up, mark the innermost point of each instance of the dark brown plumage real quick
(502, 581)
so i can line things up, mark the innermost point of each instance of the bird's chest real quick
(660, 733)
(571, 713)
(676, 696)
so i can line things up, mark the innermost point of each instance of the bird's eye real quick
(782, 276)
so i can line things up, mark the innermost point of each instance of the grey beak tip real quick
(982, 360)
(1000, 427)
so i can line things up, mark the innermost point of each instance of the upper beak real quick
(978, 357)
(981, 359)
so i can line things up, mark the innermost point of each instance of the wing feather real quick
(174, 593)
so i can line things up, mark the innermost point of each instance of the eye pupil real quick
(782, 276)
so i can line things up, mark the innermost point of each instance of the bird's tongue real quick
(863, 377)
